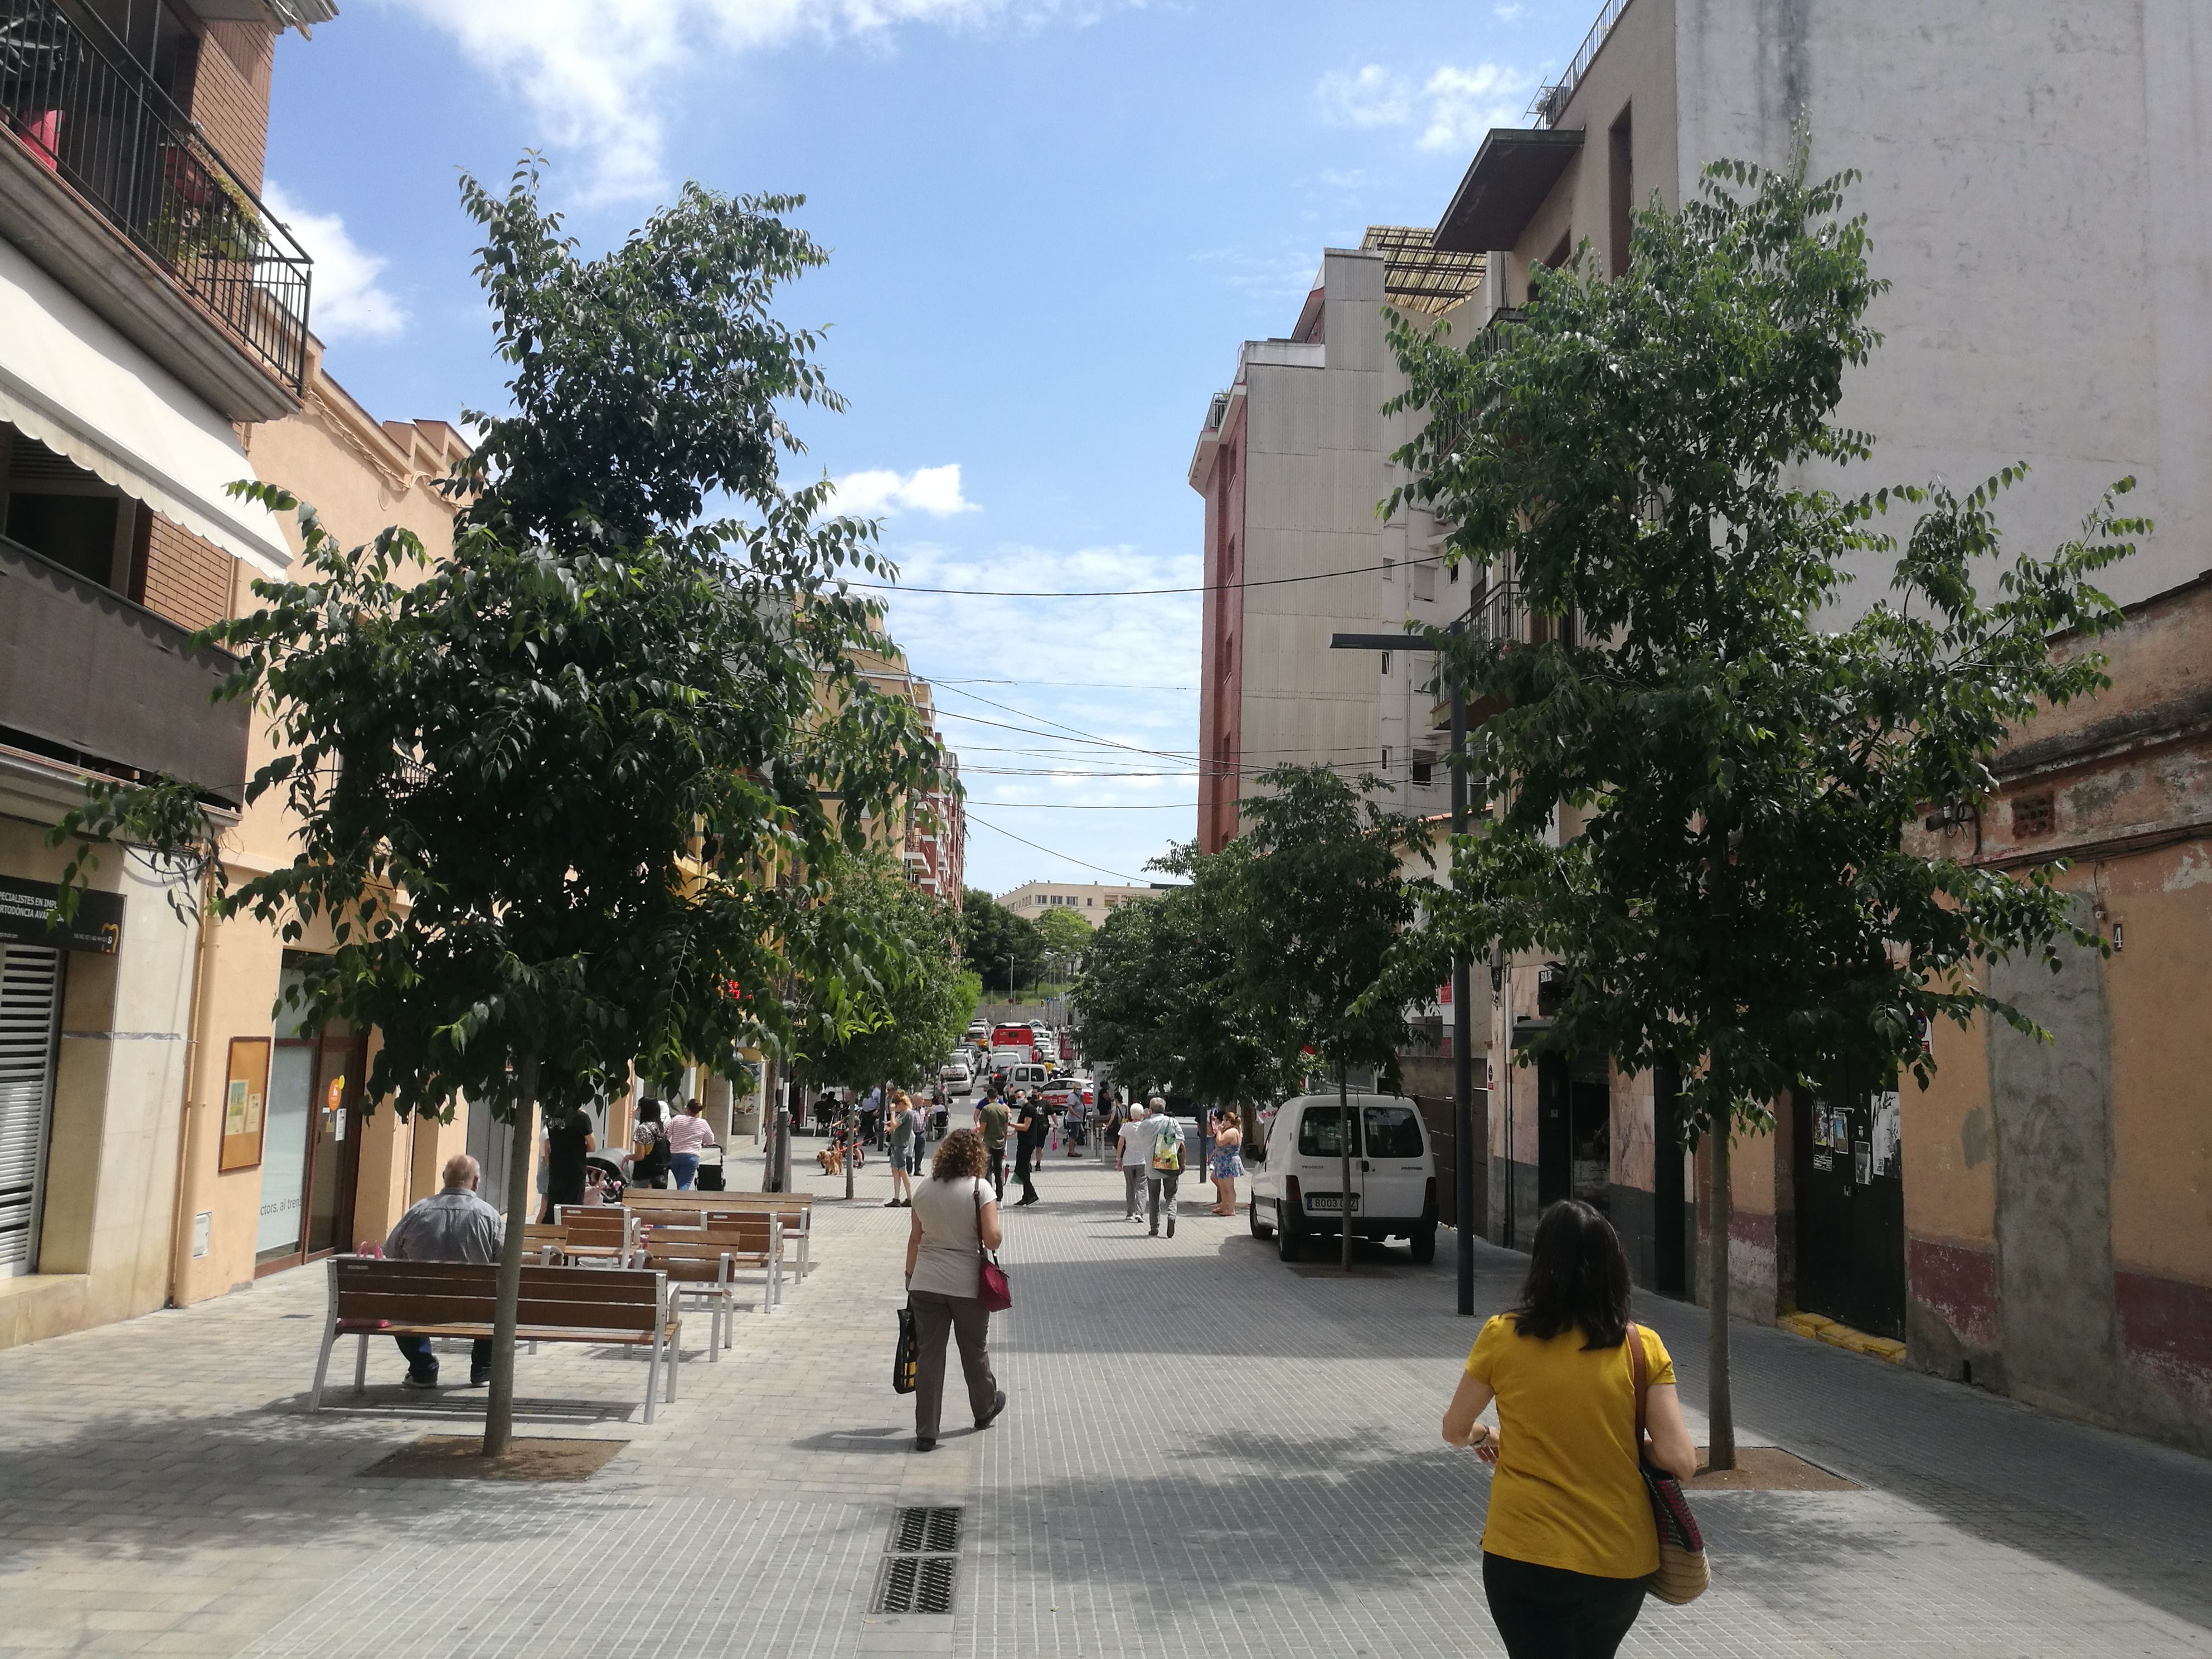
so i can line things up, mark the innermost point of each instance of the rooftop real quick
(1416, 273)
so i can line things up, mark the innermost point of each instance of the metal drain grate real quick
(922, 1563)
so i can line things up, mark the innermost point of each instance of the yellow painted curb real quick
(1836, 1335)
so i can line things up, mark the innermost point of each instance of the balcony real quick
(109, 186)
(1501, 616)
(89, 677)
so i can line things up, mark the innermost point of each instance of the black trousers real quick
(1022, 1161)
(1548, 1613)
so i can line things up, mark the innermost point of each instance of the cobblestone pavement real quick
(1208, 1452)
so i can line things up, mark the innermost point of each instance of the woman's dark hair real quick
(960, 1155)
(1577, 1277)
(648, 1111)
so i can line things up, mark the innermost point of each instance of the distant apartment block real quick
(1093, 901)
(927, 832)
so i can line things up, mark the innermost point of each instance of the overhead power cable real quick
(1119, 875)
(1135, 592)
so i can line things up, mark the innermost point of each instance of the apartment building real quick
(161, 1138)
(1092, 901)
(2028, 1193)
(929, 832)
(1293, 460)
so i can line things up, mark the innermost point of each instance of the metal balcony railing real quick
(1502, 617)
(73, 99)
(1551, 99)
(1491, 340)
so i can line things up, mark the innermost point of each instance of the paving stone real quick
(1206, 1453)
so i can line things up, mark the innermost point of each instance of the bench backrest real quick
(464, 1293)
(751, 1232)
(690, 1261)
(648, 1198)
(600, 1226)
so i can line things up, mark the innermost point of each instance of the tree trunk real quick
(1344, 1145)
(499, 1409)
(1720, 1403)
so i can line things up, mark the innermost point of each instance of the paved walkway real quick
(1208, 1453)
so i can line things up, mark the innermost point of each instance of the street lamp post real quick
(1463, 1195)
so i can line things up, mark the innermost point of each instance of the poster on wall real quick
(1888, 1145)
(245, 1097)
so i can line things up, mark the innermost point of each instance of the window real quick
(2034, 815)
(1386, 760)
(1425, 582)
(1393, 1132)
(1424, 771)
(1386, 662)
(1321, 1134)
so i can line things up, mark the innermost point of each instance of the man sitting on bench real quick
(455, 1225)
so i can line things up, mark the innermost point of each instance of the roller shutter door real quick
(30, 1011)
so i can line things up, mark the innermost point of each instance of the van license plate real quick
(1331, 1201)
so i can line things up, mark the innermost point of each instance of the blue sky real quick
(1052, 222)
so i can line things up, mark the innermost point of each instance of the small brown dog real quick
(832, 1160)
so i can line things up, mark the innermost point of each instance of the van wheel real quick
(1425, 1244)
(1259, 1229)
(1288, 1241)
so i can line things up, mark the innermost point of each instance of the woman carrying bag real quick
(1572, 1541)
(955, 1220)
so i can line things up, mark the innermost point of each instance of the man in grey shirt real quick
(455, 1225)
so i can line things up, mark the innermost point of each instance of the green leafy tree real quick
(1701, 769)
(548, 795)
(1156, 1000)
(1062, 937)
(1321, 901)
(1003, 948)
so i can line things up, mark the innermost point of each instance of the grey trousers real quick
(1133, 1176)
(935, 1314)
(1161, 1186)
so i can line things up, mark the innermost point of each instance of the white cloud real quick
(1512, 12)
(1454, 107)
(597, 72)
(1368, 97)
(934, 490)
(349, 304)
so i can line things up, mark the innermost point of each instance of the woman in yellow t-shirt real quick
(1569, 1538)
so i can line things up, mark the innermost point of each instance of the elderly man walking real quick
(454, 1225)
(1135, 1140)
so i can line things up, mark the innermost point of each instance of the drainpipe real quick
(180, 1212)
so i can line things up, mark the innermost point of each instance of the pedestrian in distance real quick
(1135, 1142)
(1227, 1162)
(1569, 1539)
(1031, 1125)
(905, 1127)
(454, 1225)
(689, 1135)
(648, 1163)
(956, 1219)
(566, 1145)
(992, 1118)
(1163, 1164)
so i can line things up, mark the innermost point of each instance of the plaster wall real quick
(2001, 142)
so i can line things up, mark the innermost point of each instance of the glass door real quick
(284, 1148)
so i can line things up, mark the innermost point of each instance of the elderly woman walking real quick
(1569, 1538)
(956, 1219)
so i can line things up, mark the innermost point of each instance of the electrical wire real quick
(1136, 593)
(1119, 875)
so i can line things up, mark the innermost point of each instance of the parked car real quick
(1063, 1093)
(1297, 1192)
(954, 1078)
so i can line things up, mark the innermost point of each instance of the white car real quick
(1297, 1192)
(953, 1078)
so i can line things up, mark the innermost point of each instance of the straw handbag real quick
(1683, 1572)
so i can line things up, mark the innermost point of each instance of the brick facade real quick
(187, 580)
(230, 94)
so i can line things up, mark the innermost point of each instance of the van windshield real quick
(1321, 1134)
(1393, 1132)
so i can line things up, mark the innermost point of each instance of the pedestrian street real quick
(1208, 1452)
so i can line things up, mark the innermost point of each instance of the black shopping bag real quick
(908, 1356)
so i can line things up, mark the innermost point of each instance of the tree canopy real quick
(1700, 751)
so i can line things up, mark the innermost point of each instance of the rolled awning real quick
(71, 381)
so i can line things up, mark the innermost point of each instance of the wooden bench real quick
(797, 1210)
(596, 1233)
(699, 1267)
(620, 1307)
(751, 1241)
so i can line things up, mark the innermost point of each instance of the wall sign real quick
(27, 909)
(245, 1098)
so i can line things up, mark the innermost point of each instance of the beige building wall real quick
(361, 475)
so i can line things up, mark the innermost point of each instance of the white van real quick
(1297, 1193)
